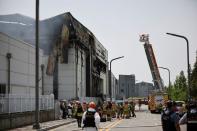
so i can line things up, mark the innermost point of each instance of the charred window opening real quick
(99, 66)
(2, 88)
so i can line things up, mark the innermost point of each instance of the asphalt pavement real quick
(145, 121)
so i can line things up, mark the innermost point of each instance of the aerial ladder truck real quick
(157, 97)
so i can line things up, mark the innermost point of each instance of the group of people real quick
(89, 115)
(85, 113)
(171, 121)
(120, 110)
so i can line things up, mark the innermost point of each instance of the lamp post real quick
(168, 75)
(36, 124)
(188, 65)
(110, 93)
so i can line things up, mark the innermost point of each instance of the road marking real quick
(107, 126)
(113, 125)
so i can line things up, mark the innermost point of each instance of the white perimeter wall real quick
(22, 65)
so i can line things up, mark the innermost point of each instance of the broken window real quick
(2, 88)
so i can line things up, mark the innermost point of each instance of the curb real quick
(57, 125)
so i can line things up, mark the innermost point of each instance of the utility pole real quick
(36, 124)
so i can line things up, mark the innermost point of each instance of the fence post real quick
(30, 103)
(8, 100)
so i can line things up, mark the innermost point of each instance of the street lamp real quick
(36, 124)
(110, 93)
(168, 74)
(188, 65)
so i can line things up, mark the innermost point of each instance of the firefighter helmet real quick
(92, 105)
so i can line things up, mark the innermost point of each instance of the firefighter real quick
(104, 111)
(126, 110)
(114, 110)
(79, 113)
(90, 118)
(169, 118)
(190, 117)
(132, 108)
(74, 109)
(109, 111)
(139, 104)
(84, 106)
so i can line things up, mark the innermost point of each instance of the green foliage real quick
(178, 91)
(194, 80)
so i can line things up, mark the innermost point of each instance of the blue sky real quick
(118, 23)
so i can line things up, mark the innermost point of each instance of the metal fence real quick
(12, 103)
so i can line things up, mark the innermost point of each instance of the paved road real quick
(144, 121)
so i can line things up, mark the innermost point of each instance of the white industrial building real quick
(75, 63)
(70, 76)
(22, 66)
(76, 66)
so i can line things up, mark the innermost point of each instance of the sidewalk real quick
(46, 125)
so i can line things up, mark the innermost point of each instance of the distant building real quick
(22, 66)
(114, 85)
(127, 86)
(143, 88)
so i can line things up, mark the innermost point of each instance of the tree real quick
(179, 88)
(194, 80)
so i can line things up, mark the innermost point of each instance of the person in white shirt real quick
(91, 118)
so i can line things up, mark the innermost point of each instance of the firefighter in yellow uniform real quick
(126, 110)
(109, 111)
(104, 111)
(79, 113)
(114, 110)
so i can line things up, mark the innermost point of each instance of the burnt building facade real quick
(75, 62)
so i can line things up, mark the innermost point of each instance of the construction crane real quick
(158, 84)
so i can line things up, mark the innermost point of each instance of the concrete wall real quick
(103, 85)
(48, 79)
(114, 86)
(14, 120)
(22, 65)
(67, 80)
(102, 54)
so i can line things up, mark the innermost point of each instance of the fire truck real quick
(157, 97)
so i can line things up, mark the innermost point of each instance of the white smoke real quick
(9, 22)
